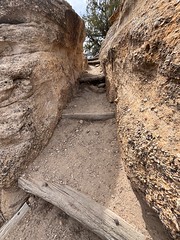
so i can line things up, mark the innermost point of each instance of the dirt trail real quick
(85, 155)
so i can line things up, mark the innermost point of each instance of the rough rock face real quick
(40, 60)
(140, 57)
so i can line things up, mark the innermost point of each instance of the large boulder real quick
(140, 57)
(40, 61)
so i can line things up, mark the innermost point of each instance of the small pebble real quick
(141, 109)
(145, 100)
(155, 110)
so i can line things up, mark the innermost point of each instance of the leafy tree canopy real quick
(96, 22)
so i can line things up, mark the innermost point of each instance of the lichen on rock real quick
(140, 57)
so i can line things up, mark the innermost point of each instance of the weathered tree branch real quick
(10, 225)
(89, 116)
(92, 215)
(87, 77)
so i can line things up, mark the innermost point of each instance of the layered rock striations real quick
(140, 57)
(40, 61)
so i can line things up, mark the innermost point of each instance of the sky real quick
(78, 5)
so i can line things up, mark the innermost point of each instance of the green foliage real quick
(96, 21)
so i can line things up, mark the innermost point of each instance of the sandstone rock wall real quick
(40, 61)
(140, 57)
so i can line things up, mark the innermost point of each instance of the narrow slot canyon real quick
(104, 129)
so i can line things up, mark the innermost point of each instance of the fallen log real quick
(92, 59)
(89, 116)
(100, 220)
(11, 224)
(93, 62)
(87, 77)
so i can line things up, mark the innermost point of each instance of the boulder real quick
(140, 57)
(40, 62)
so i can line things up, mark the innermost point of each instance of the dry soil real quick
(85, 155)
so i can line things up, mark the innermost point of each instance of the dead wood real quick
(11, 224)
(89, 116)
(87, 77)
(93, 62)
(77, 205)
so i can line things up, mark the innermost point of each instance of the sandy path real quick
(85, 156)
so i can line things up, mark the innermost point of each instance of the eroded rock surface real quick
(140, 57)
(40, 61)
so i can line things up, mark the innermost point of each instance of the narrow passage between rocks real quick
(84, 154)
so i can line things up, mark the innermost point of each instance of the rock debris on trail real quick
(85, 155)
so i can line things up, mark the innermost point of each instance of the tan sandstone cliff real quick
(140, 57)
(40, 61)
